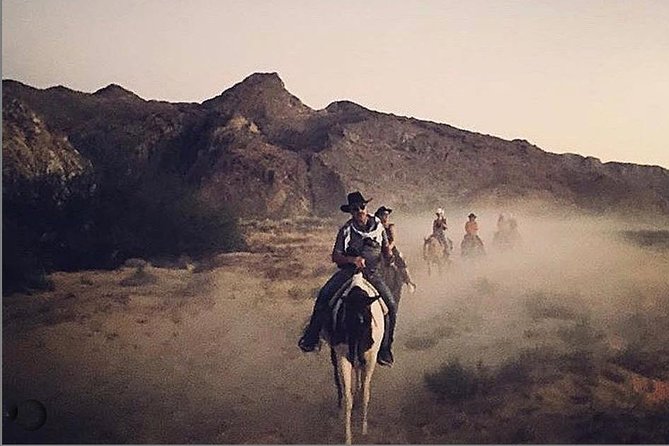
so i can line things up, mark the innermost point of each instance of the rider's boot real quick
(385, 356)
(406, 278)
(310, 340)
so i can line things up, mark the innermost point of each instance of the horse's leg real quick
(358, 381)
(367, 390)
(333, 359)
(346, 375)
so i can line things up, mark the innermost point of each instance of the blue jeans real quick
(321, 309)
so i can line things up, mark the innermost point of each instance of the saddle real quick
(358, 280)
(336, 302)
(357, 288)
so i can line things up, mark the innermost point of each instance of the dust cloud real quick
(584, 265)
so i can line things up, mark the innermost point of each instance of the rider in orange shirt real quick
(472, 227)
(472, 231)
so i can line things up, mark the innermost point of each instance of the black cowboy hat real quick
(472, 215)
(380, 211)
(354, 198)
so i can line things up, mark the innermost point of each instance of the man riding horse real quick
(397, 260)
(359, 246)
(439, 228)
(472, 243)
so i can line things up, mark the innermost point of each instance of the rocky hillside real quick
(259, 150)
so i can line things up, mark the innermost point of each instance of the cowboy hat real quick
(380, 211)
(354, 199)
(472, 215)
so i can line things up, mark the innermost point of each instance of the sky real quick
(580, 76)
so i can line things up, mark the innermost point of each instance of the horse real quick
(355, 336)
(392, 276)
(435, 254)
(507, 238)
(471, 246)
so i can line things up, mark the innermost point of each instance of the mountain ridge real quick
(257, 136)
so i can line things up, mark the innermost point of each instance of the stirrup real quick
(308, 347)
(385, 361)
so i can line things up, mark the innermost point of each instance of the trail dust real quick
(555, 341)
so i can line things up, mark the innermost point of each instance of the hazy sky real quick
(583, 76)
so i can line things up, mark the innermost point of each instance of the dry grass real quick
(140, 277)
(209, 355)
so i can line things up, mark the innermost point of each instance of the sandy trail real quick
(210, 356)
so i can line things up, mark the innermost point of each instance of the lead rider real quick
(359, 246)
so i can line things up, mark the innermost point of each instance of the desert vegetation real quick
(561, 341)
(101, 221)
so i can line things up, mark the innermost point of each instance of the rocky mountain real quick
(259, 150)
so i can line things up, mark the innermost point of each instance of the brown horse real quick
(393, 278)
(472, 246)
(435, 254)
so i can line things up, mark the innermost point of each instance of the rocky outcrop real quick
(31, 151)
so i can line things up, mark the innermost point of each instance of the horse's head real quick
(357, 299)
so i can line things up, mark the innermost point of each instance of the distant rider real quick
(439, 228)
(472, 231)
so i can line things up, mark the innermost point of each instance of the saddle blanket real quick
(359, 281)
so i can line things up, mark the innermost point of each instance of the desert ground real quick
(561, 340)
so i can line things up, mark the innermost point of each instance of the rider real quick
(439, 228)
(360, 245)
(383, 214)
(472, 229)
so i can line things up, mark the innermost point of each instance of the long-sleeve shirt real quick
(472, 227)
(368, 242)
(439, 226)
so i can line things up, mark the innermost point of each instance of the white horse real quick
(355, 338)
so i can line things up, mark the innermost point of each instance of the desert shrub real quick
(98, 221)
(454, 381)
(26, 233)
(515, 371)
(652, 363)
(581, 335)
(621, 426)
(421, 342)
(657, 239)
(539, 306)
(279, 271)
(162, 216)
(613, 375)
(301, 293)
(135, 263)
(139, 277)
